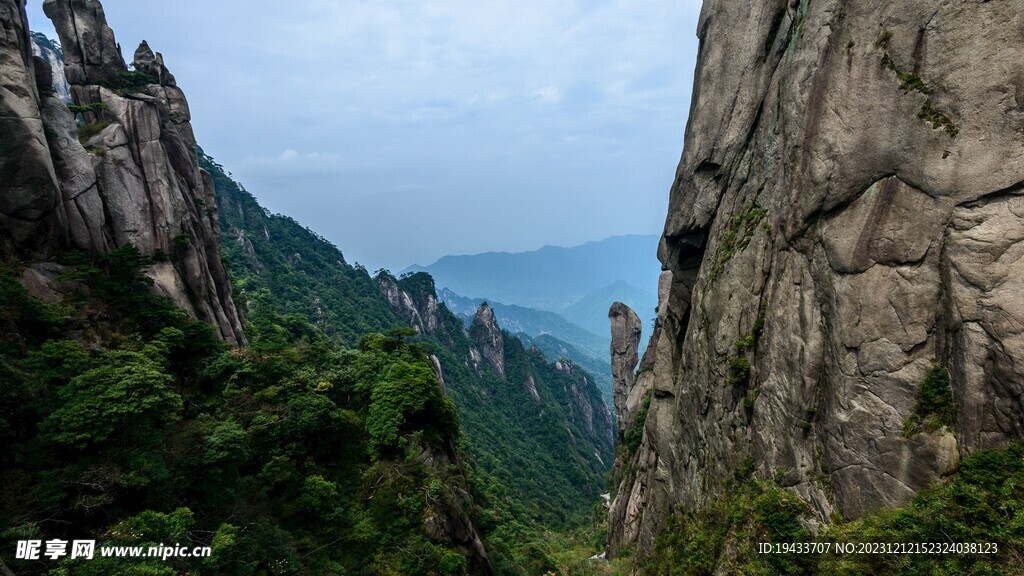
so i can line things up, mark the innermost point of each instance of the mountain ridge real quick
(544, 248)
(550, 278)
(536, 432)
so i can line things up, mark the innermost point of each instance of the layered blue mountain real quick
(551, 278)
(591, 311)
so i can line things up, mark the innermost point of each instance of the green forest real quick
(127, 422)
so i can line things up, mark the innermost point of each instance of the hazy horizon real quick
(525, 251)
(405, 132)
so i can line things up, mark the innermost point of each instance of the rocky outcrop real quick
(631, 393)
(486, 334)
(626, 329)
(530, 385)
(32, 218)
(120, 168)
(847, 215)
(588, 411)
(85, 210)
(416, 303)
(447, 518)
(438, 372)
(91, 54)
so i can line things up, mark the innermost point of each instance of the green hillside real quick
(126, 422)
(279, 265)
(531, 464)
(325, 446)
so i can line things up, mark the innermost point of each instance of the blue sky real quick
(406, 130)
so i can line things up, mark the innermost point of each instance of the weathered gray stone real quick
(631, 391)
(626, 328)
(850, 200)
(138, 180)
(43, 75)
(485, 333)
(531, 387)
(30, 209)
(420, 311)
(147, 62)
(86, 219)
(91, 54)
(46, 281)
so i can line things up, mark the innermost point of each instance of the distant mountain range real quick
(551, 278)
(591, 311)
(563, 293)
(519, 319)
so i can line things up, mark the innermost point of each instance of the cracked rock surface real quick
(486, 334)
(120, 169)
(31, 214)
(848, 213)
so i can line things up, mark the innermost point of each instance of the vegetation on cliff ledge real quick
(983, 504)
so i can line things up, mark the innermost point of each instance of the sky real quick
(406, 130)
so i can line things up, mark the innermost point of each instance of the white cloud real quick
(547, 95)
(292, 161)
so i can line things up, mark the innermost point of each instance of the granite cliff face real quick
(31, 213)
(121, 168)
(486, 334)
(419, 309)
(626, 328)
(847, 217)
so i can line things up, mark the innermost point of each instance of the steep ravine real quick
(846, 219)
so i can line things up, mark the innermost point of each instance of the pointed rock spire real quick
(626, 329)
(486, 334)
(91, 53)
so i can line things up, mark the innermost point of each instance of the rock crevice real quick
(121, 168)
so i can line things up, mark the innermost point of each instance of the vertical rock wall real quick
(31, 215)
(120, 169)
(847, 215)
